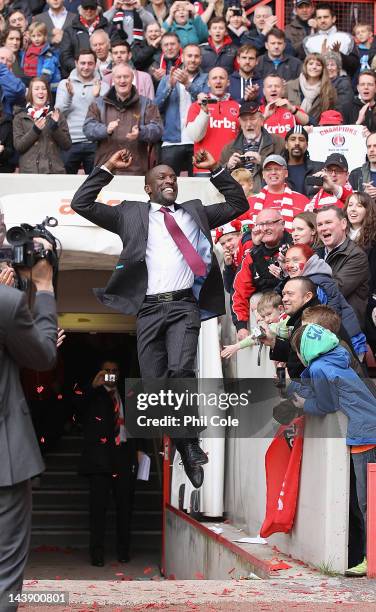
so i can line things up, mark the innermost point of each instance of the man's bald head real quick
(270, 222)
(218, 81)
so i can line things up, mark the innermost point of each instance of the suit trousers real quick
(123, 489)
(167, 339)
(15, 527)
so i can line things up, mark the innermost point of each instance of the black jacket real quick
(76, 38)
(345, 95)
(310, 167)
(127, 286)
(351, 113)
(144, 55)
(7, 163)
(100, 454)
(360, 175)
(224, 59)
(289, 68)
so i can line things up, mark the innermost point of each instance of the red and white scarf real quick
(286, 209)
(89, 26)
(37, 113)
(176, 63)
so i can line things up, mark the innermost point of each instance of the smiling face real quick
(270, 222)
(85, 66)
(230, 241)
(302, 233)
(162, 185)
(152, 33)
(332, 69)
(274, 176)
(191, 58)
(355, 212)
(330, 228)
(39, 94)
(294, 296)
(294, 263)
(314, 68)
(122, 77)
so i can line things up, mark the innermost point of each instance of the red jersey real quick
(280, 122)
(323, 198)
(222, 128)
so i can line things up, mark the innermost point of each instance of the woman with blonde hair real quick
(312, 91)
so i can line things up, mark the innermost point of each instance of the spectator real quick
(12, 89)
(13, 40)
(263, 22)
(159, 9)
(245, 179)
(276, 194)
(77, 36)
(174, 99)
(280, 116)
(252, 145)
(18, 20)
(169, 57)
(39, 60)
(147, 53)
(335, 187)
(300, 260)
(254, 275)
(347, 260)
(133, 17)
(304, 229)
(73, 98)
(56, 19)
(100, 44)
(219, 51)
(364, 178)
(363, 35)
(228, 237)
(299, 165)
(212, 121)
(121, 54)
(341, 82)
(39, 134)
(360, 211)
(6, 147)
(123, 117)
(328, 38)
(312, 90)
(362, 110)
(236, 21)
(301, 25)
(244, 84)
(275, 61)
(189, 28)
(73, 5)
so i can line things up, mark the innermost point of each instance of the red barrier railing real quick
(166, 495)
(371, 520)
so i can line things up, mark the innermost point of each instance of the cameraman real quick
(26, 340)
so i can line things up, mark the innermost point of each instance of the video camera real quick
(23, 252)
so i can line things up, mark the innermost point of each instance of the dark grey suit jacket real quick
(45, 18)
(25, 341)
(130, 220)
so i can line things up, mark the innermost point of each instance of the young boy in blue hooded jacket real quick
(330, 384)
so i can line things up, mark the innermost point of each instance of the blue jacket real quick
(194, 32)
(48, 66)
(168, 101)
(330, 384)
(12, 90)
(238, 85)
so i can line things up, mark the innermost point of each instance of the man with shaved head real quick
(123, 118)
(167, 274)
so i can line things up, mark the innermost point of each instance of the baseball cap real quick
(249, 108)
(331, 117)
(336, 159)
(299, 2)
(89, 3)
(277, 159)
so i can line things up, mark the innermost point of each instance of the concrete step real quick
(79, 519)
(52, 499)
(79, 538)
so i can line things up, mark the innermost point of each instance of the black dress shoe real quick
(195, 474)
(191, 452)
(97, 557)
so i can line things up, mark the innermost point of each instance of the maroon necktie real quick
(189, 253)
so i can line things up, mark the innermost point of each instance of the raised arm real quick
(84, 201)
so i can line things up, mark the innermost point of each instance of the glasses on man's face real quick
(335, 170)
(267, 223)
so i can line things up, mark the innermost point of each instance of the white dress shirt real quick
(167, 268)
(58, 19)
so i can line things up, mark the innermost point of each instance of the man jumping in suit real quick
(167, 274)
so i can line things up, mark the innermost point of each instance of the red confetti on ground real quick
(57, 577)
(98, 418)
(42, 440)
(115, 476)
(148, 570)
(59, 397)
(171, 577)
(231, 570)
(78, 392)
(103, 440)
(199, 576)
(281, 565)
(119, 574)
(40, 389)
(117, 440)
(226, 591)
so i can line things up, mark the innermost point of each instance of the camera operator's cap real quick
(297, 129)
(336, 159)
(89, 3)
(299, 2)
(275, 159)
(249, 108)
(228, 228)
